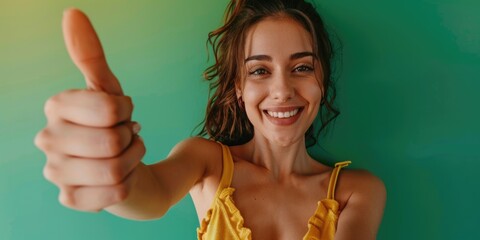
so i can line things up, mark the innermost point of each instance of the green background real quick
(408, 79)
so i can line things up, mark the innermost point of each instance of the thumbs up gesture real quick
(90, 142)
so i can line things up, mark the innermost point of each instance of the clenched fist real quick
(91, 144)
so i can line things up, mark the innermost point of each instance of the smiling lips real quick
(283, 117)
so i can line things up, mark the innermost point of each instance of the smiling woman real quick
(229, 43)
(281, 78)
(252, 177)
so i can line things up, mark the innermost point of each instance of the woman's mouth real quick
(285, 114)
(283, 117)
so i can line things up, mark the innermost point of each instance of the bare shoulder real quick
(204, 154)
(363, 182)
(197, 147)
(362, 197)
(360, 185)
(199, 152)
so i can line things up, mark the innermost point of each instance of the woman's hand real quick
(90, 141)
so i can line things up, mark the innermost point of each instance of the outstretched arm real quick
(161, 185)
(93, 151)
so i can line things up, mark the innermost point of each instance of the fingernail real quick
(136, 128)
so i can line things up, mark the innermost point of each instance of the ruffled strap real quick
(227, 170)
(223, 220)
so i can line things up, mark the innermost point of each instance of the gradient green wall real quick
(407, 80)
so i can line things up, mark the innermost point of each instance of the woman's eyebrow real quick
(259, 58)
(292, 57)
(302, 55)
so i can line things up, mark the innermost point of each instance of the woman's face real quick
(282, 88)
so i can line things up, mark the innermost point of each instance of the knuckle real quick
(129, 103)
(110, 110)
(50, 105)
(112, 173)
(66, 198)
(54, 103)
(142, 150)
(120, 193)
(50, 173)
(112, 143)
(41, 139)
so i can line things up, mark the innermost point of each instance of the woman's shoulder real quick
(359, 185)
(361, 178)
(201, 151)
(362, 198)
(197, 146)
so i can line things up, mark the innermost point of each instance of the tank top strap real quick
(333, 178)
(227, 169)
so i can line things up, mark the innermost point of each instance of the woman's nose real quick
(281, 88)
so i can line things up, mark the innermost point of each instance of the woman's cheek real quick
(253, 93)
(314, 91)
(252, 96)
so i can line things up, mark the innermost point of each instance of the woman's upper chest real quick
(276, 209)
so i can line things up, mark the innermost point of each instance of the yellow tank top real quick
(224, 221)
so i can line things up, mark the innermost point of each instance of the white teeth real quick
(283, 114)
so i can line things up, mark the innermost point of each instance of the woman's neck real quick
(280, 161)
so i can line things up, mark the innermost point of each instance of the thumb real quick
(86, 52)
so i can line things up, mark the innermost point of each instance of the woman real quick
(253, 179)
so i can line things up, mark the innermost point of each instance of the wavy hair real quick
(226, 120)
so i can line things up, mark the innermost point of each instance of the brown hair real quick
(226, 120)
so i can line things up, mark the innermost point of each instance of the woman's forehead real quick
(279, 36)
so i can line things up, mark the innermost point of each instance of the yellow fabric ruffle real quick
(323, 224)
(214, 226)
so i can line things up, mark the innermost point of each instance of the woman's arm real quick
(92, 148)
(361, 217)
(159, 186)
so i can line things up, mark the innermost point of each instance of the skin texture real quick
(94, 159)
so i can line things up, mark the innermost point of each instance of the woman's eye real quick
(303, 68)
(260, 71)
